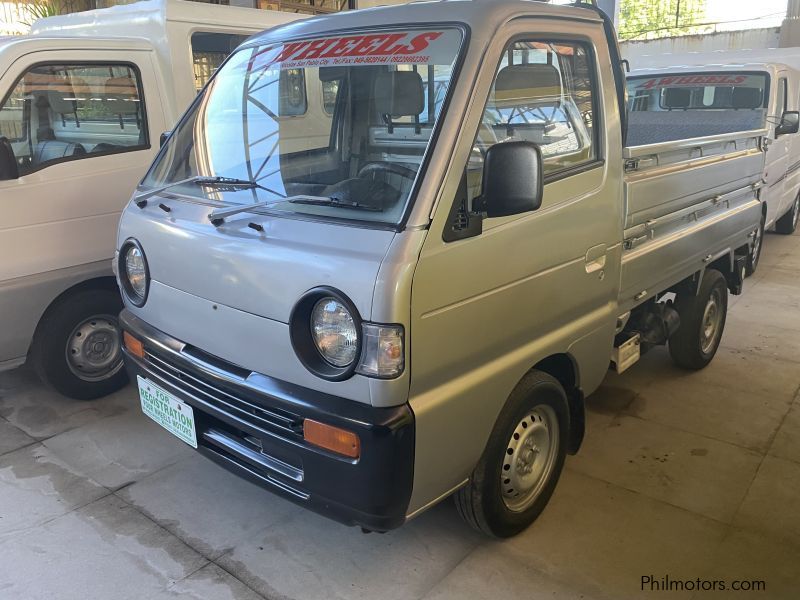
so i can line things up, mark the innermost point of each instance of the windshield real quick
(331, 127)
(664, 108)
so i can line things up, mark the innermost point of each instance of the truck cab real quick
(411, 300)
(83, 101)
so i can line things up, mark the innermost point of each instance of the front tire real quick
(787, 224)
(703, 317)
(77, 346)
(755, 252)
(522, 462)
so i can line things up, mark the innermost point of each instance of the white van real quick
(83, 101)
(669, 103)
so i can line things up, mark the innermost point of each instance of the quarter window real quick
(60, 112)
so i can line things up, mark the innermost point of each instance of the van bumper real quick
(252, 425)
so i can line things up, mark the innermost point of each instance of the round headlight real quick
(134, 273)
(334, 332)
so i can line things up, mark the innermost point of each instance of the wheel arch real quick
(101, 282)
(564, 368)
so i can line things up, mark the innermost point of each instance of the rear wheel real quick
(77, 350)
(522, 462)
(755, 250)
(703, 317)
(787, 224)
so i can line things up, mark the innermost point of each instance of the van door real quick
(489, 305)
(777, 156)
(80, 125)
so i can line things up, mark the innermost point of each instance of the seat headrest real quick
(747, 97)
(122, 96)
(517, 84)
(399, 94)
(677, 97)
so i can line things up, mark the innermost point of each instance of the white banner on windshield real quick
(434, 47)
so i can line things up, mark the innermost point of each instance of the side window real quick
(209, 51)
(543, 92)
(60, 112)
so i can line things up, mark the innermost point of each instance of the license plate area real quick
(164, 408)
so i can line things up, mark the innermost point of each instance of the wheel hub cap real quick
(93, 349)
(529, 459)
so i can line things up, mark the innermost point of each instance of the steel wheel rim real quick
(530, 458)
(795, 212)
(712, 318)
(93, 352)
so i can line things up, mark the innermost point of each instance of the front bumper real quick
(252, 425)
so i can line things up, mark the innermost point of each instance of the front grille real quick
(262, 417)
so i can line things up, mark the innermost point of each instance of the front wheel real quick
(695, 343)
(787, 224)
(77, 349)
(522, 462)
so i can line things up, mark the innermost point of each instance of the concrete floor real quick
(681, 475)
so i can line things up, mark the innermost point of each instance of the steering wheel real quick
(387, 167)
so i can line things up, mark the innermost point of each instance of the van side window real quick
(209, 51)
(544, 93)
(59, 112)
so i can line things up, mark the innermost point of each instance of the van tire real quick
(485, 501)
(787, 224)
(695, 343)
(61, 330)
(754, 255)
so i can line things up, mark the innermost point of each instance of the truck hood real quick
(262, 273)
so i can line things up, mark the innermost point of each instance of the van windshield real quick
(666, 107)
(333, 127)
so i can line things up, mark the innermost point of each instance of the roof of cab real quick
(479, 15)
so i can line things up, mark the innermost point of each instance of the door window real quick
(543, 92)
(59, 112)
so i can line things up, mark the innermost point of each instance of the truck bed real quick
(687, 203)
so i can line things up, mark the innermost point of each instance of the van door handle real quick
(596, 258)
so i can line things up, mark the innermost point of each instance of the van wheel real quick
(755, 250)
(703, 316)
(522, 462)
(788, 222)
(76, 349)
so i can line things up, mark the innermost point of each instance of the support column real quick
(611, 8)
(790, 30)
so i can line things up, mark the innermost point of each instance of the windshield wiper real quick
(232, 182)
(332, 201)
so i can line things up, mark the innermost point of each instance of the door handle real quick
(596, 258)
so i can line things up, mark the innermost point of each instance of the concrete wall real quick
(642, 51)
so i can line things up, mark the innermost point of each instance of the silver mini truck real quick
(402, 288)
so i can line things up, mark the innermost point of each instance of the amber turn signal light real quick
(132, 345)
(331, 438)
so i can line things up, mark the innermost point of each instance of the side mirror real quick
(9, 169)
(790, 123)
(163, 138)
(512, 179)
